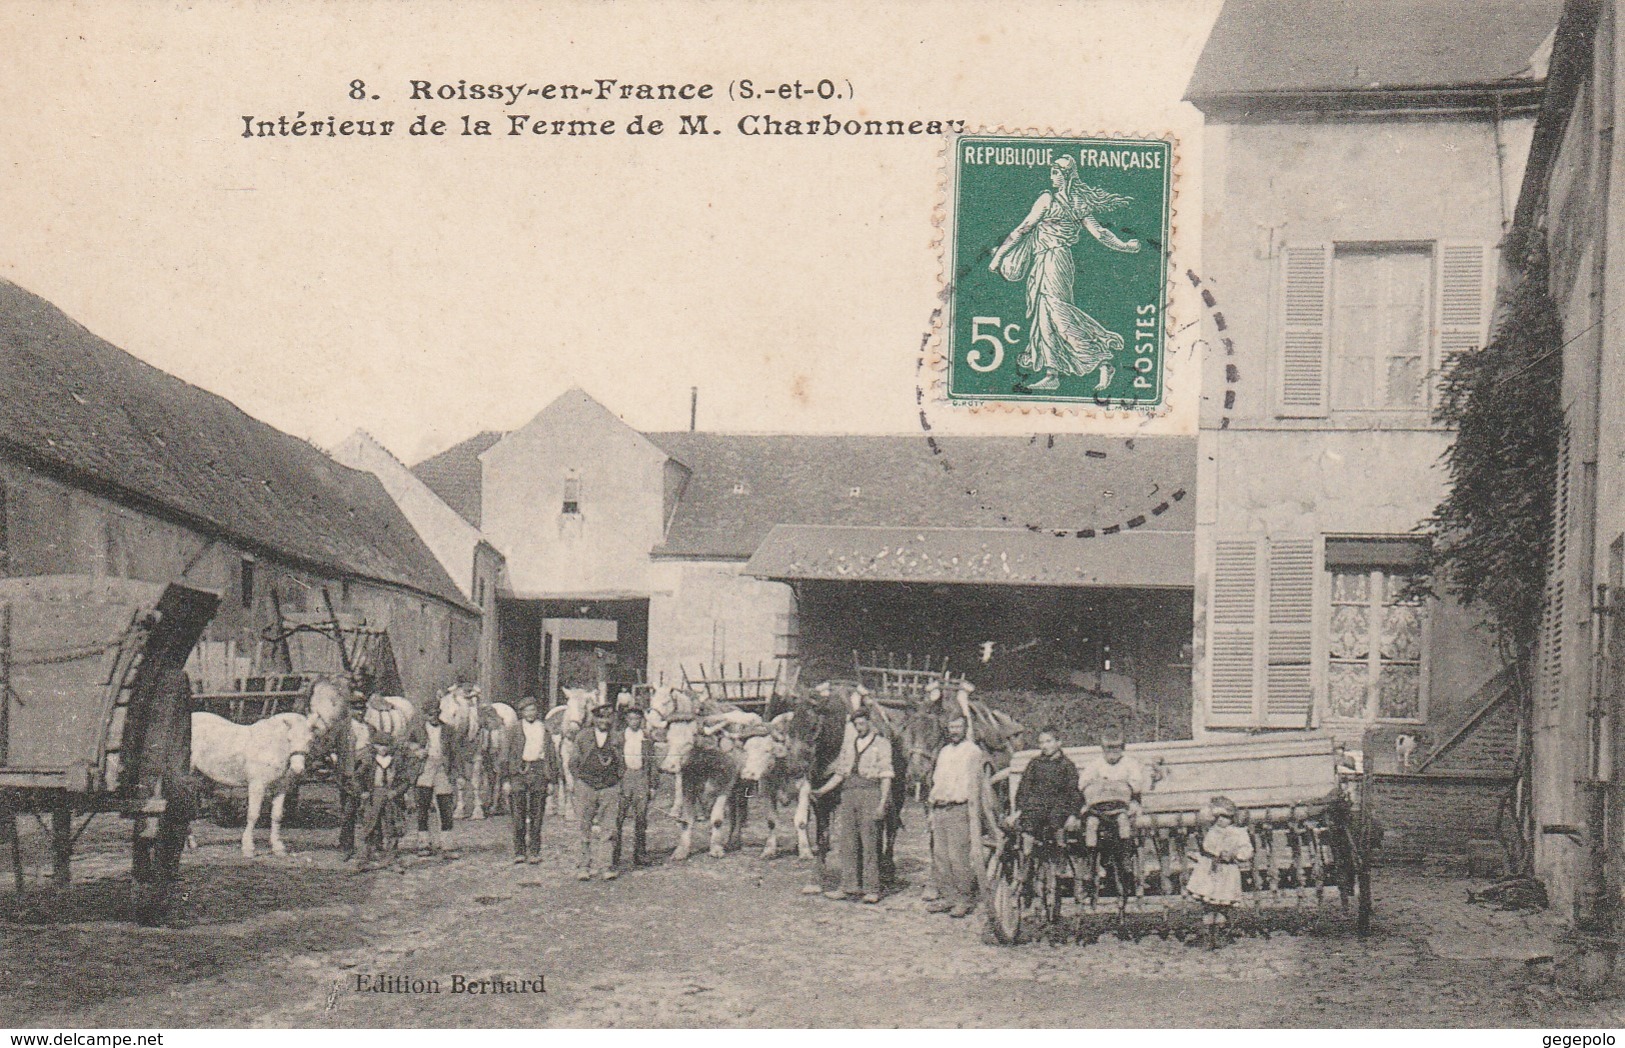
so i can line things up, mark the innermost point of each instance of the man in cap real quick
(863, 775)
(431, 743)
(533, 766)
(637, 789)
(955, 791)
(352, 772)
(598, 763)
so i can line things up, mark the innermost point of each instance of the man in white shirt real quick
(637, 788)
(955, 782)
(531, 771)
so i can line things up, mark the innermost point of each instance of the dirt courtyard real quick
(281, 941)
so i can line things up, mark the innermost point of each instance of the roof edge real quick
(99, 485)
(1465, 98)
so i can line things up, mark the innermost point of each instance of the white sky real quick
(425, 289)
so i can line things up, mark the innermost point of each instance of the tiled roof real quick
(742, 485)
(77, 405)
(1261, 46)
(454, 474)
(982, 555)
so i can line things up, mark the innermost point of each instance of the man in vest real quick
(637, 789)
(863, 775)
(598, 762)
(533, 766)
(431, 742)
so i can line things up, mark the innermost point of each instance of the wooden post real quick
(5, 679)
(10, 818)
(61, 840)
(338, 633)
(552, 670)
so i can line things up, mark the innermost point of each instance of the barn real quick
(110, 467)
(1052, 565)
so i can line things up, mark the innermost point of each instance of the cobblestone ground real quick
(279, 941)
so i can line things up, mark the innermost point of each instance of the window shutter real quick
(1233, 634)
(1305, 312)
(1289, 678)
(1463, 279)
(1553, 621)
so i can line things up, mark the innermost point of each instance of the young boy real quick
(1048, 799)
(1115, 776)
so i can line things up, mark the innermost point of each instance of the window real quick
(1365, 326)
(1380, 297)
(787, 636)
(1376, 641)
(246, 582)
(572, 494)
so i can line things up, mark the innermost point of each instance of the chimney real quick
(693, 407)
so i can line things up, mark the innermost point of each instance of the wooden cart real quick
(1301, 807)
(96, 717)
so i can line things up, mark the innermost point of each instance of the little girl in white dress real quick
(1216, 877)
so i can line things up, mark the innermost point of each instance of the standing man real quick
(533, 766)
(637, 790)
(955, 786)
(863, 774)
(430, 741)
(598, 763)
(353, 770)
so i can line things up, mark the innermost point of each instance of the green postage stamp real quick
(1059, 265)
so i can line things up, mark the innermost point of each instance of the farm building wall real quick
(49, 527)
(705, 613)
(1438, 818)
(1299, 453)
(575, 500)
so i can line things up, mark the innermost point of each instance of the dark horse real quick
(815, 729)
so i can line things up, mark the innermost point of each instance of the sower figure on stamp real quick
(1062, 339)
(533, 767)
(863, 774)
(637, 790)
(955, 818)
(598, 764)
(431, 742)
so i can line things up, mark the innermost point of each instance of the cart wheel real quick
(1004, 908)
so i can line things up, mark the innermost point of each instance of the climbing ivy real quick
(1492, 533)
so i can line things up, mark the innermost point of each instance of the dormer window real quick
(572, 494)
(855, 492)
(739, 487)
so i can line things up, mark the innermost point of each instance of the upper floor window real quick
(572, 494)
(1365, 326)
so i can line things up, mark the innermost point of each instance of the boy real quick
(1115, 776)
(1048, 799)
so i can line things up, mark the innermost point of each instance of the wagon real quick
(96, 717)
(1302, 808)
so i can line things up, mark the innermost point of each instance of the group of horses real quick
(721, 756)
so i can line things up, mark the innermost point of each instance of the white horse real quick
(460, 713)
(390, 715)
(564, 722)
(266, 755)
